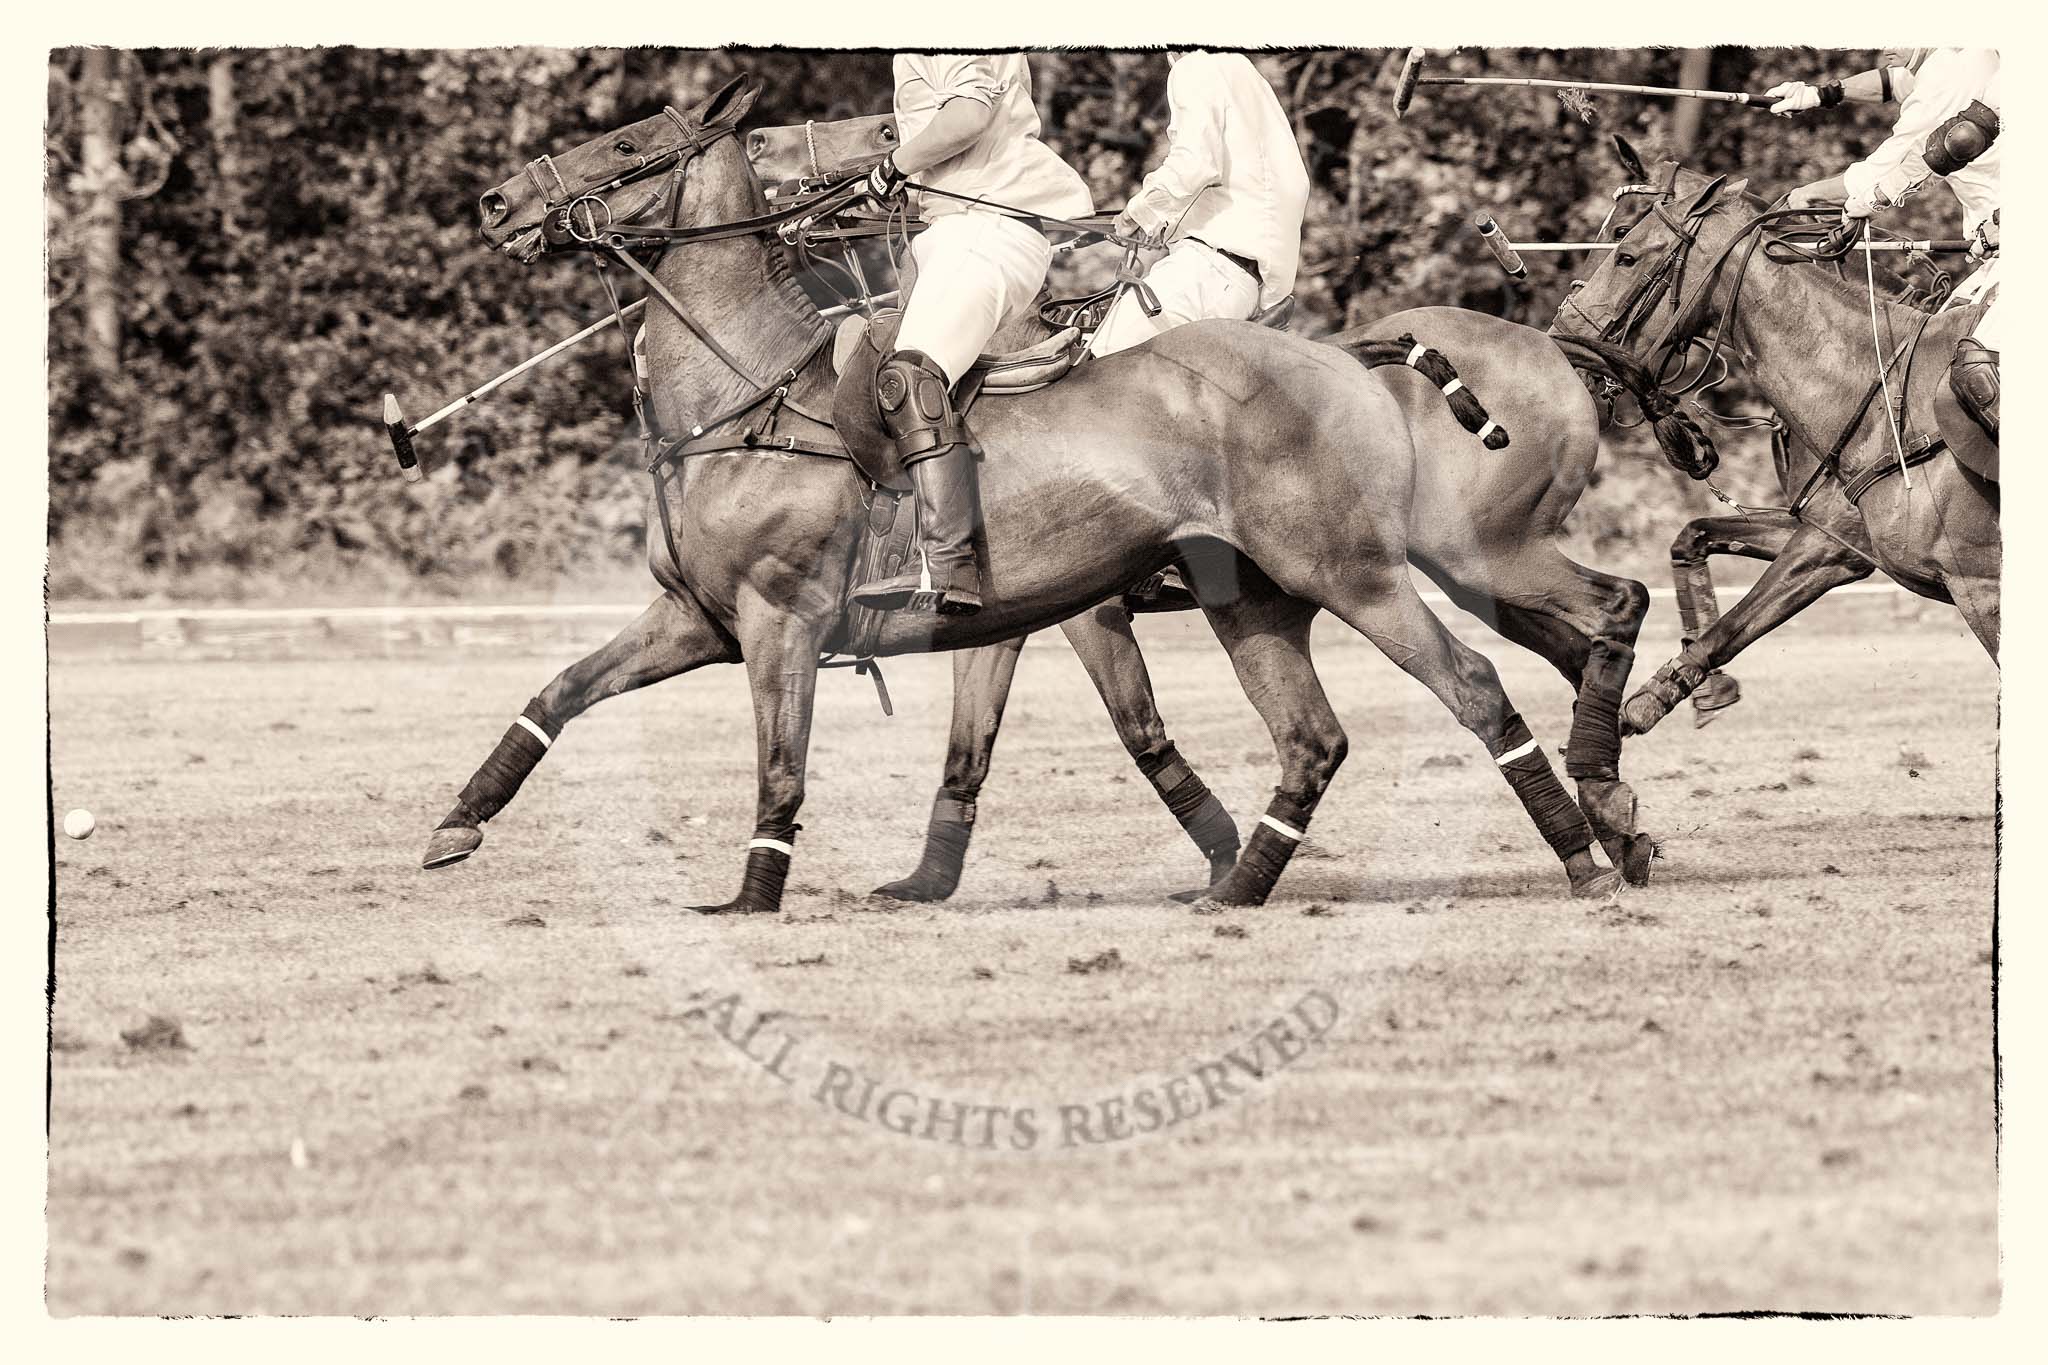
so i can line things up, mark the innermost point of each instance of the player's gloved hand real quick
(1130, 229)
(1984, 241)
(1793, 97)
(885, 182)
(1854, 209)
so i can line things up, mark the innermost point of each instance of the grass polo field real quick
(295, 1074)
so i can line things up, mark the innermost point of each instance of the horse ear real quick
(729, 103)
(1630, 162)
(1704, 200)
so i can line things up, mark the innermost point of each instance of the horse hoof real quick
(1641, 712)
(1642, 850)
(451, 845)
(738, 905)
(913, 888)
(1605, 882)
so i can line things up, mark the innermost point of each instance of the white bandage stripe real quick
(1511, 756)
(786, 850)
(1488, 430)
(536, 732)
(1415, 355)
(1453, 387)
(1292, 834)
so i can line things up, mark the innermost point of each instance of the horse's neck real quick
(1809, 348)
(753, 310)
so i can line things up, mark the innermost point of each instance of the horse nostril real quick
(493, 208)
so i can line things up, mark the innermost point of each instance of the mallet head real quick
(1411, 76)
(1503, 251)
(401, 440)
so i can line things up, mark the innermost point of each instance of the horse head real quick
(619, 177)
(1657, 228)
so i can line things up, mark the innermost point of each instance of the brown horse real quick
(1280, 456)
(1687, 271)
(1485, 527)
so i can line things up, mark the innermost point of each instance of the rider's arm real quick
(1947, 83)
(1198, 101)
(968, 89)
(1877, 86)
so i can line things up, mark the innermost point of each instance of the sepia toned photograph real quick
(1500, 817)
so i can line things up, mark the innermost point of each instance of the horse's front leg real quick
(981, 688)
(1806, 565)
(781, 652)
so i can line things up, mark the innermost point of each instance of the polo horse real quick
(1849, 373)
(1283, 457)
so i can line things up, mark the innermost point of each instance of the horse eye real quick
(1624, 259)
(625, 149)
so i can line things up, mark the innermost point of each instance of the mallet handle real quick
(1725, 96)
(1934, 247)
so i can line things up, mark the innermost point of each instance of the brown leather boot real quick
(916, 408)
(946, 578)
(1973, 377)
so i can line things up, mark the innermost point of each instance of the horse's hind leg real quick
(1102, 640)
(981, 688)
(1266, 634)
(672, 636)
(1393, 617)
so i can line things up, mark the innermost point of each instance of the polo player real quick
(968, 127)
(1947, 127)
(1229, 196)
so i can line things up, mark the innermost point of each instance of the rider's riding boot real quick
(1973, 376)
(917, 413)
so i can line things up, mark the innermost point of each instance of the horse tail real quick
(1688, 447)
(1431, 365)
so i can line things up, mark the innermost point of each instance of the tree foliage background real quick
(246, 248)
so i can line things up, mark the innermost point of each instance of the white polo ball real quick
(79, 823)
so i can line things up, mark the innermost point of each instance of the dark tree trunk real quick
(101, 247)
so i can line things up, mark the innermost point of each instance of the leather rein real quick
(1667, 277)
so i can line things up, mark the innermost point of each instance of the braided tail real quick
(1431, 365)
(1685, 445)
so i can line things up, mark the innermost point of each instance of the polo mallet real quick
(1411, 77)
(1508, 254)
(415, 469)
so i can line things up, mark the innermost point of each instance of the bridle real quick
(1800, 236)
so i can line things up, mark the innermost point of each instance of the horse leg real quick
(1761, 536)
(1585, 622)
(1266, 635)
(1390, 613)
(981, 687)
(671, 637)
(1102, 640)
(781, 652)
(1809, 563)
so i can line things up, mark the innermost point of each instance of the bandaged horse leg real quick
(1393, 616)
(671, 637)
(1266, 634)
(1809, 563)
(781, 653)
(1593, 761)
(1102, 640)
(981, 688)
(1760, 536)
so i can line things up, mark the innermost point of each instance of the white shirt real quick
(1946, 83)
(1233, 175)
(1007, 163)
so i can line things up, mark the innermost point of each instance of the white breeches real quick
(1973, 290)
(1193, 282)
(974, 269)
